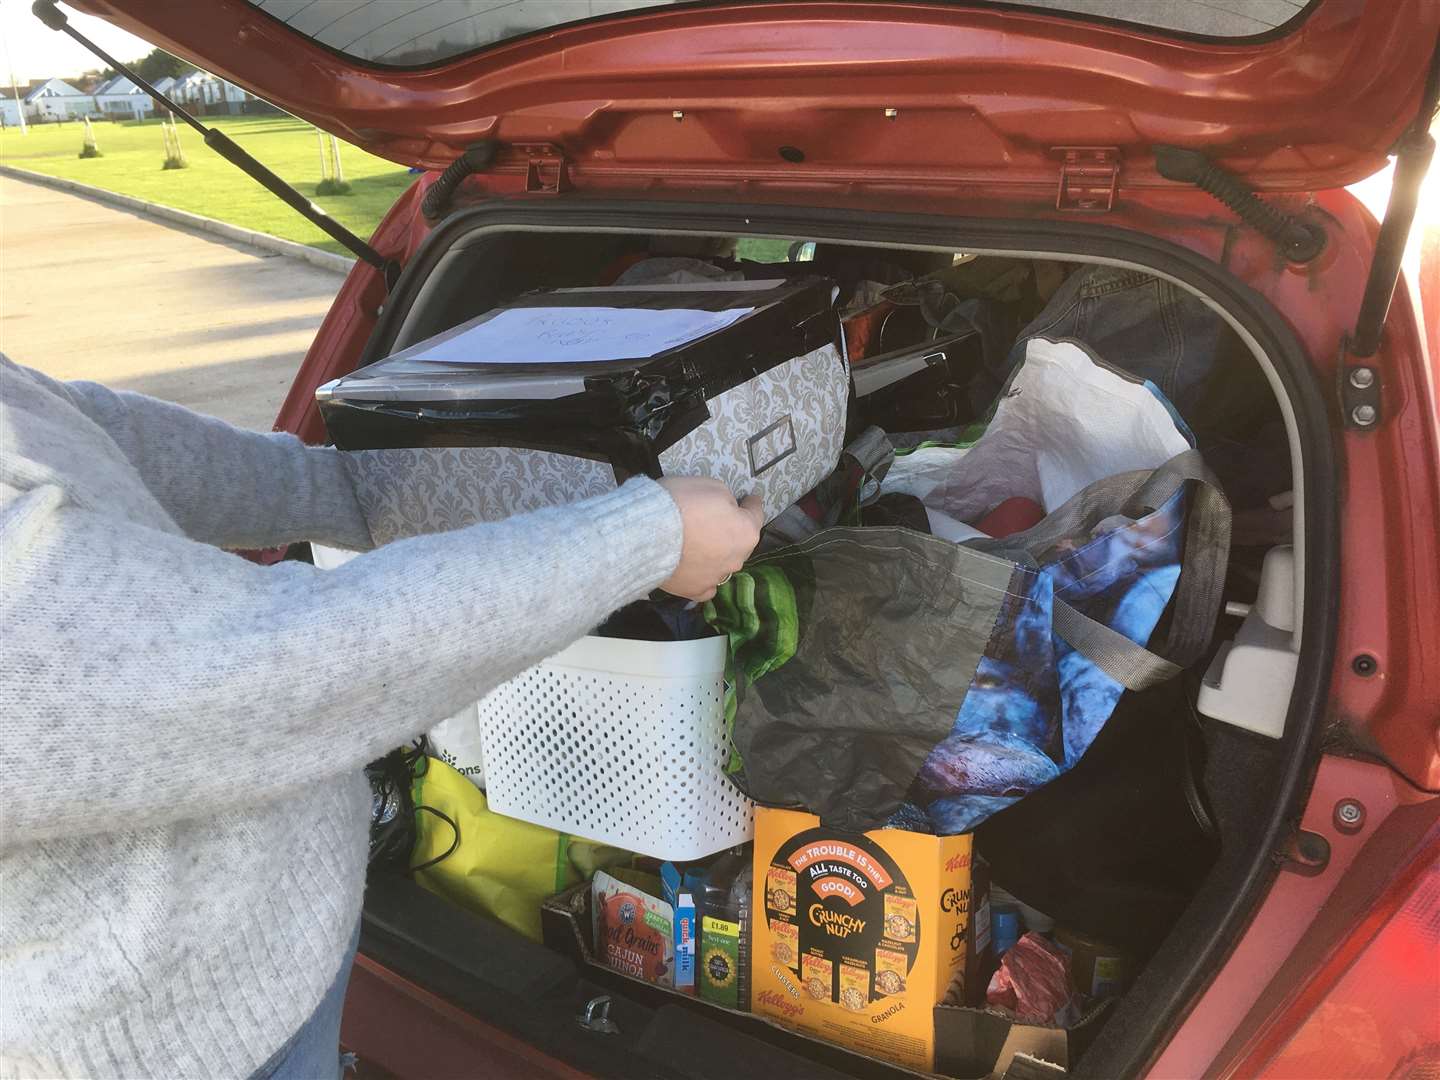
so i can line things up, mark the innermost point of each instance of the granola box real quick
(860, 935)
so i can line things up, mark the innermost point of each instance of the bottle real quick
(725, 931)
(741, 896)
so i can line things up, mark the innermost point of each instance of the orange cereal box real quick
(891, 969)
(878, 923)
(900, 918)
(818, 975)
(785, 944)
(854, 985)
(780, 890)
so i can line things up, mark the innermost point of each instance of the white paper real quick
(577, 335)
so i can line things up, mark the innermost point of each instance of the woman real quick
(184, 829)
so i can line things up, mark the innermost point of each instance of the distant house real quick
(209, 95)
(55, 99)
(11, 105)
(122, 99)
(223, 98)
(189, 90)
(186, 89)
(165, 86)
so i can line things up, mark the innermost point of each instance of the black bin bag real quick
(1116, 847)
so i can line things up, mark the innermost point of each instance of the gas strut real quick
(222, 144)
(1412, 158)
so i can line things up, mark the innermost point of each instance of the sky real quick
(33, 52)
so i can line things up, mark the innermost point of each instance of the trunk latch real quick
(546, 170)
(1089, 176)
(596, 1016)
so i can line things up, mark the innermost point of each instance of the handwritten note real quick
(577, 335)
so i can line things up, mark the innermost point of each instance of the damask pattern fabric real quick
(436, 489)
(806, 398)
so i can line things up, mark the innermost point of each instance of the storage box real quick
(984, 1043)
(859, 937)
(622, 742)
(741, 381)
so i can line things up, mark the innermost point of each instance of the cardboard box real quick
(972, 1044)
(857, 938)
(984, 1043)
(973, 976)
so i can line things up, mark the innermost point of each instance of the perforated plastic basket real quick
(621, 742)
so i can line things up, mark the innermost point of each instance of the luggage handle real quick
(1198, 593)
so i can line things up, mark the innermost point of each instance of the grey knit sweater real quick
(182, 812)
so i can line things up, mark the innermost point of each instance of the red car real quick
(558, 136)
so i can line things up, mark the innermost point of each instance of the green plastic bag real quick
(499, 867)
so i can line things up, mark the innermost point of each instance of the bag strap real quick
(1132, 666)
(1198, 593)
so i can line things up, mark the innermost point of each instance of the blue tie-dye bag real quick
(880, 675)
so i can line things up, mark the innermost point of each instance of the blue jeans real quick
(313, 1052)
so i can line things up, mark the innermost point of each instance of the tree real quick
(159, 63)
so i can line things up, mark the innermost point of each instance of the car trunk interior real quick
(1255, 416)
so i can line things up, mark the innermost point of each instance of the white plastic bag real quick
(456, 742)
(1065, 422)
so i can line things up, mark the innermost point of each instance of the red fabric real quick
(1033, 981)
(1013, 515)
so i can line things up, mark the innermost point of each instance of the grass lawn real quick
(135, 151)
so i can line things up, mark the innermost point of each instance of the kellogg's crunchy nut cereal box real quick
(875, 924)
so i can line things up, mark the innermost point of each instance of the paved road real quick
(90, 291)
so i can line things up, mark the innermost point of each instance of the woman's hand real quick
(719, 534)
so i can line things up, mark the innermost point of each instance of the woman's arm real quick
(224, 485)
(145, 677)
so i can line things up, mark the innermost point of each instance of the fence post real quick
(88, 148)
(335, 156)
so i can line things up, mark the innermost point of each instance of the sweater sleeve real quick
(147, 678)
(221, 484)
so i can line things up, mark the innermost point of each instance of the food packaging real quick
(686, 926)
(1033, 981)
(1098, 969)
(859, 936)
(634, 930)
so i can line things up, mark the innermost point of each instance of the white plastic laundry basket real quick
(621, 742)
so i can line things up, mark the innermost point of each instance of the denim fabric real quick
(1142, 324)
(1154, 330)
(313, 1052)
